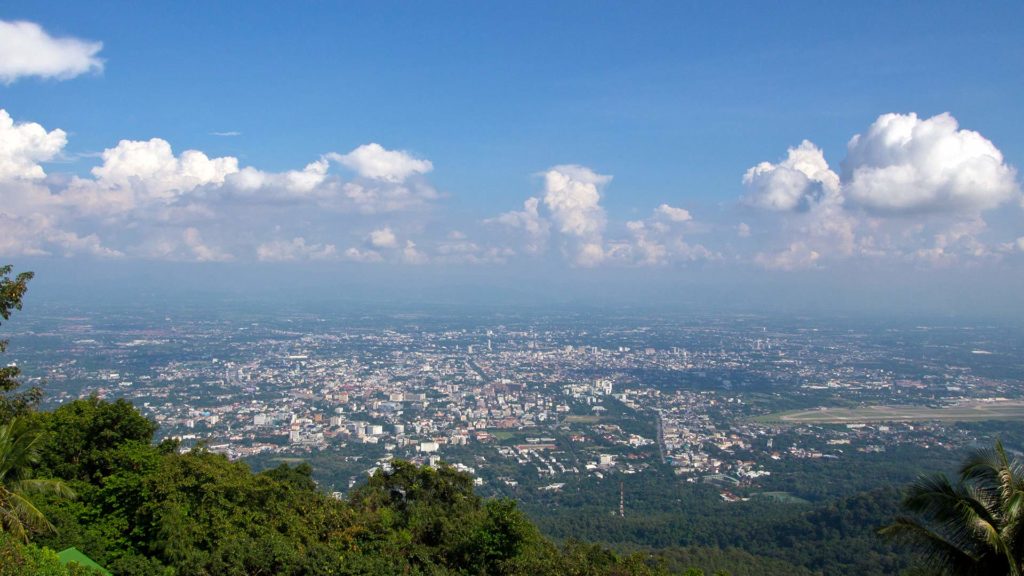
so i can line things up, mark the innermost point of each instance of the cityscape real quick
(555, 397)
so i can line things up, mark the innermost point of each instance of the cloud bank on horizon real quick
(909, 189)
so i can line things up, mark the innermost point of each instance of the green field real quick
(580, 419)
(964, 412)
(783, 497)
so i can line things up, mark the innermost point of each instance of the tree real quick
(973, 527)
(11, 292)
(19, 450)
(84, 437)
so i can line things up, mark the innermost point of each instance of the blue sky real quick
(603, 112)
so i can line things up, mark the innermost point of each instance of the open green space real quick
(581, 419)
(783, 497)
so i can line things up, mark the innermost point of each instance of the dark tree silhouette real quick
(972, 527)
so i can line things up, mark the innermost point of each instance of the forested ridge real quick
(145, 508)
(149, 508)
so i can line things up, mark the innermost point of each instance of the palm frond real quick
(30, 516)
(43, 486)
(937, 551)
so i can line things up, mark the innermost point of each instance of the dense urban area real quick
(533, 402)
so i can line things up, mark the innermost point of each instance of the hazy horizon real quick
(806, 158)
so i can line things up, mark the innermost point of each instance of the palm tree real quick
(19, 450)
(973, 527)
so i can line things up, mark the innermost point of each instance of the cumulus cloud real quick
(292, 183)
(144, 179)
(905, 164)
(151, 169)
(388, 180)
(27, 50)
(796, 183)
(193, 240)
(295, 249)
(903, 180)
(38, 235)
(956, 243)
(643, 249)
(457, 248)
(572, 196)
(673, 214)
(795, 257)
(154, 199)
(358, 255)
(652, 242)
(383, 238)
(370, 197)
(535, 227)
(413, 255)
(375, 162)
(24, 145)
(570, 211)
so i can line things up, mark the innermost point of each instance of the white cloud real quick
(37, 235)
(573, 212)
(193, 240)
(743, 230)
(27, 50)
(644, 249)
(357, 255)
(153, 199)
(535, 227)
(795, 257)
(572, 196)
(956, 243)
(138, 174)
(153, 165)
(903, 181)
(375, 197)
(375, 162)
(797, 183)
(413, 255)
(295, 249)
(383, 238)
(904, 164)
(24, 145)
(293, 183)
(654, 243)
(673, 214)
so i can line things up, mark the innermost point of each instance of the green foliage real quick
(972, 527)
(85, 438)
(18, 559)
(19, 450)
(12, 290)
(149, 510)
(300, 477)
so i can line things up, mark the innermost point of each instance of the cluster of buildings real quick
(557, 398)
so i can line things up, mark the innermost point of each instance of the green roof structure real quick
(75, 555)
